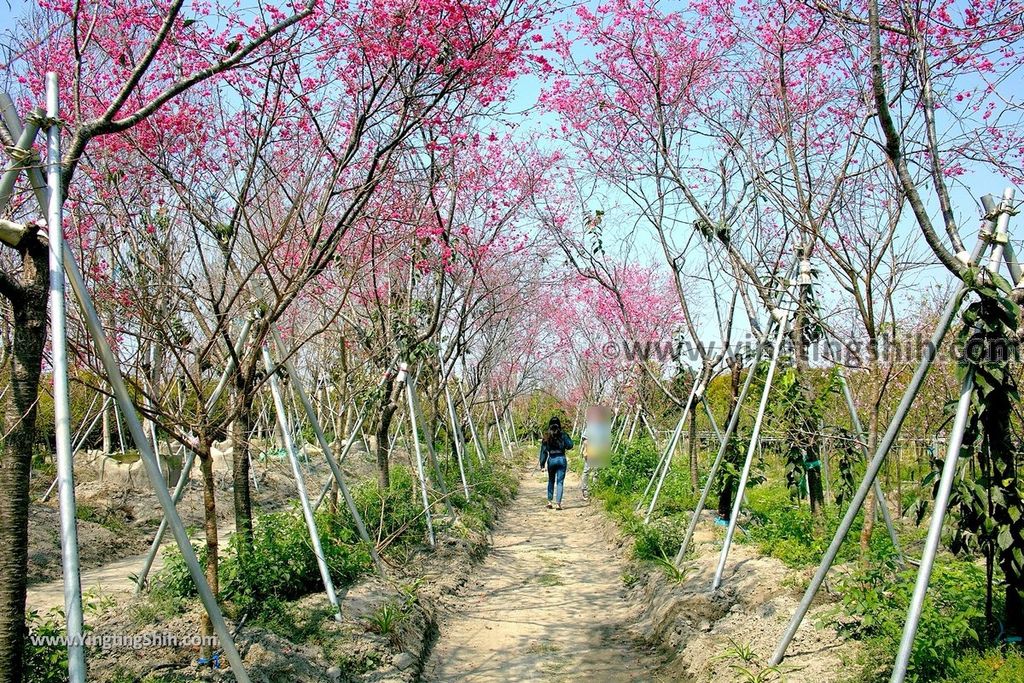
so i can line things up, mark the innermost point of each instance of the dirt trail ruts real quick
(548, 603)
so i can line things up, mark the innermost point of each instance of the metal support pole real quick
(632, 427)
(497, 427)
(661, 462)
(120, 430)
(512, 427)
(929, 352)
(650, 430)
(163, 496)
(222, 384)
(403, 376)
(307, 509)
(712, 421)
(1002, 213)
(931, 544)
(154, 547)
(457, 438)
(879, 495)
(61, 409)
(186, 470)
(328, 454)
(481, 452)
(21, 156)
(349, 442)
(84, 434)
(745, 473)
(729, 429)
(431, 455)
(81, 437)
(83, 431)
(617, 436)
(694, 390)
(949, 468)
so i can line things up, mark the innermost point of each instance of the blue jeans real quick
(556, 477)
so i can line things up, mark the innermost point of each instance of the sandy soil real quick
(548, 603)
(112, 552)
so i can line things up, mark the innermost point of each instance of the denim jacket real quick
(546, 453)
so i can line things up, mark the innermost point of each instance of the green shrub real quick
(394, 512)
(990, 666)
(173, 581)
(659, 539)
(282, 564)
(676, 496)
(952, 620)
(783, 528)
(630, 467)
(46, 662)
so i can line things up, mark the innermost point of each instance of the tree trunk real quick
(815, 492)
(241, 431)
(870, 504)
(725, 494)
(278, 434)
(387, 412)
(212, 544)
(28, 310)
(694, 479)
(108, 442)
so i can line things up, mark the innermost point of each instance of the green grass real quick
(951, 643)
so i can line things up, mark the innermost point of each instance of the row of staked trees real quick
(355, 176)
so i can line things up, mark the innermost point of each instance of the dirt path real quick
(113, 580)
(546, 605)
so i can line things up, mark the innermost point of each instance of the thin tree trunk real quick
(725, 494)
(694, 479)
(212, 543)
(108, 441)
(28, 308)
(870, 504)
(241, 432)
(387, 412)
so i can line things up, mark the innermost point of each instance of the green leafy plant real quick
(392, 515)
(674, 573)
(987, 501)
(990, 666)
(659, 539)
(46, 662)
(952, 621)
(847, 456)
(745, 663)
(410, 592)
(281, 563)
(385, 621)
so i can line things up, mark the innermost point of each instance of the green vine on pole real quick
(987, 503)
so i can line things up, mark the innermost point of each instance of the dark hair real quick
(553, 434)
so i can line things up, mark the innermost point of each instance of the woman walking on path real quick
(552, 455)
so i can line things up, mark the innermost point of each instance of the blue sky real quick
(966, 190)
